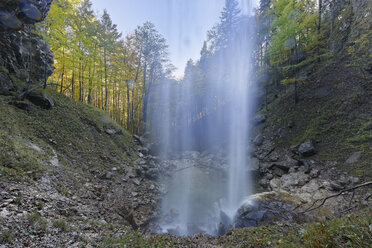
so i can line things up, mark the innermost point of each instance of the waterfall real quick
(201, 122)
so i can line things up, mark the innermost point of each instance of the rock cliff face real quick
(25, 58)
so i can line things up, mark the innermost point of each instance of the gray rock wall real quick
(25, 58)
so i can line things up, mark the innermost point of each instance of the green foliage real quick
(7, 236)
(40, 205)
(61, 225)
(361, 52)
(94, 64)
(293, 34)
(347, 231)
(136, 240)
(18, 200)
(221, 35)
(33, 218)
(296, 38)
(38, 222)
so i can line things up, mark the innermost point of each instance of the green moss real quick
(3, 69)
(359, 139)
(347, 231)
(74, 131)
(136, 240)
(18, 158)
(20, 84)
(340, 122)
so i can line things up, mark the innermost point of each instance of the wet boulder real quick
(225, 224)
(191, 155)
(152, 173)
(265, 208)
(254, 164)
(259, 119)
(258, 140)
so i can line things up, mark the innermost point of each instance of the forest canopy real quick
(96, 64)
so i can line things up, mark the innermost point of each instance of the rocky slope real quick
(327, 134)
(70, 177)
(69, 174)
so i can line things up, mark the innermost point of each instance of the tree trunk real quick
(90, 88)
(63, 70)
(296, 91)
(261, 56)
(332, 22)
(62, 78)
(101, 92)
(144, 107)
(72, 84)
(106, 88)
(132, 112)
(80, 72)
(319, 25)
(128, 106)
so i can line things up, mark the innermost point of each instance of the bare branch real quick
(311, 208)
(21, 96)
(351, 199)
(347, 210)
(369, 196)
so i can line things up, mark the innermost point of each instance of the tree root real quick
(26, 92)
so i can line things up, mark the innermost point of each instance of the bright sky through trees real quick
(184, 23)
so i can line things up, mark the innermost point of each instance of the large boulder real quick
(41, 100)
(353, 158)
(42, 7)
(281, 168)
(306, 149)
(289, 181)
(265, 208)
